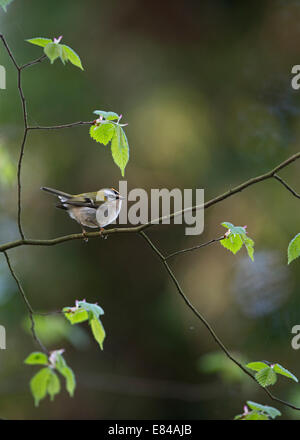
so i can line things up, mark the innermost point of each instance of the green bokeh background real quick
(205, 87)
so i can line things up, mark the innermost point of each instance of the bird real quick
(92, 209)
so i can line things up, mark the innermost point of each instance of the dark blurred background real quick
(205, 88)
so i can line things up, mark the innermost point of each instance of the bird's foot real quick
(101, 233)
(85, 238)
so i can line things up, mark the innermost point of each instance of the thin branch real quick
(32, 63)
(25, 120)
(289, 188)
(57, 127)
(206, 323)
(199, 246)
(27, 303)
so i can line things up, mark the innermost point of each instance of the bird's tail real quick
(56, 192)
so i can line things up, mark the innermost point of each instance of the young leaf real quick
(236, 237)
(272, 412)
(98, 331)
(40, 41)
(255, 415)
(77, 316)
(266, 377)
(109, 116)
(94, 309)
(102, 133)
(39, 384)
(233, 243)
(69, 54)
(53, 51)
(284, 372)
(68, 374)
(294, 248)
(120, 148)
(5, 3)
(37, 358)
(256, 366)
(53, 385)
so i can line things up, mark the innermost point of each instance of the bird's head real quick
(108, 195)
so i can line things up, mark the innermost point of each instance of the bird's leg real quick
(85, 239)
(101, 233)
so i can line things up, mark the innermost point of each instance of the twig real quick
(289, 188)
(28, 306)
(56, 127)
(25, 120)
(199, 246)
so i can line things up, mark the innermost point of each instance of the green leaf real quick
(257, 366)
(69, 54)
(98, 331)
(77, 316)
(39, 384)
(53, 387)
(37, 358)
(109, 116)
(254, 415)
(294, 248)
(233, 243)
(68, 374)
(53, 51)
(5, 3)
(236, 237)
(284, 372)
(272, 412)
(94, 309)
(102, 133)
(120, 148)
(40, 41)
(266, 377)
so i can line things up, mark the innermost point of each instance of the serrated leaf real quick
(36, 358)
(266, 377)
(77, 316)
(120, 148)
(69, 54)
(102, 133)
(284, 372)
(233, 243)
(272, 412)
(257, 366)
(98, 331)
(53, 51)
(39, 384)
(40, 41)
(294, 248)
(236, 237)
(109, 116)
(53, 387)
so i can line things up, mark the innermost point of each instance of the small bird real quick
(93, 209)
